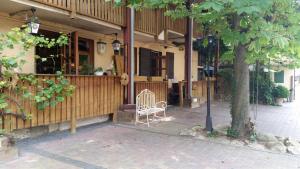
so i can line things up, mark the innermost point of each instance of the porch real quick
(94, 97)
(158, 54)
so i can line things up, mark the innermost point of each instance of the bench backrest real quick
(145, 100)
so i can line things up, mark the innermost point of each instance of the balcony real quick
(149, 21)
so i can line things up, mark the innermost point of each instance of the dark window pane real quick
(279, 77)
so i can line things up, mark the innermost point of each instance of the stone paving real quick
(125, 146)
(119, 147)
(281, 121)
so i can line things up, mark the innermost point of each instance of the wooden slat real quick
(62, 4)
(93, 96)
(158, 88)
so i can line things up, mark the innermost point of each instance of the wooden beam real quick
(129, 52)
(188, 57)
(76, 53)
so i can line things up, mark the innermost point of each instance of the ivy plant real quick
(43, 92)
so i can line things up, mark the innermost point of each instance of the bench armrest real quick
(161, 104)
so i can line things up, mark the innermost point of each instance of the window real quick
(49, 61)
(279, 77)
(150, 62)
(170, 65)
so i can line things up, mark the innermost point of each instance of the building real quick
(287, 78)
(154, 52)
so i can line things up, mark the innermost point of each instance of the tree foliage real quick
(268, 28)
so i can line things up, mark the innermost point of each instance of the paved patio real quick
(125, 146)
(281, 121)
(116, 147)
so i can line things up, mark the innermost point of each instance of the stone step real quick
(126, 116)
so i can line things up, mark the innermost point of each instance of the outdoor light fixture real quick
(33, 22)
(116, 44)
(101, 47)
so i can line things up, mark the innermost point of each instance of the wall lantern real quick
(116, 44)
(33, 22)
(101, 47)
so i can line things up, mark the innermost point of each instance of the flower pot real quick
(98, 73)
(279, 101)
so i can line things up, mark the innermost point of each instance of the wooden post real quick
(76, 54)
(180, 85)
(188, 58)
(73, 9)
(129, 53)
(73, 108)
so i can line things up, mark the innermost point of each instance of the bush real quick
(280, 92)
(265, 88)
(232, 133)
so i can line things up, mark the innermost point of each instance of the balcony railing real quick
(62, 4)
(150, 21)
(100, 9)
(147, 21)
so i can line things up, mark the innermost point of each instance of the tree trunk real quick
(240, 93)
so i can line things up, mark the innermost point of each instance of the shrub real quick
(265, 88)
(232, 133)
(280, 92)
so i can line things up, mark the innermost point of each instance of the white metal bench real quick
(146, 105)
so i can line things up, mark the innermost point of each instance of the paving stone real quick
(276, 146)
(120, 147)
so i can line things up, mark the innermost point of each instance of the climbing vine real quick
(43, 92)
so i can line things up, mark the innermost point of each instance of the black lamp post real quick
(208, 125)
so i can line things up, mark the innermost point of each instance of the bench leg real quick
(154, 115)
(165, 113)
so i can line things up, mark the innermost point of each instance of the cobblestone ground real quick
(125, 146)
(281, 121)
(118, 147)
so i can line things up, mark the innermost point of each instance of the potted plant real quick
(280, 93)
(98, 71)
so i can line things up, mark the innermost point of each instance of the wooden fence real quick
(94, 96)
(199, 90)
(160, 89)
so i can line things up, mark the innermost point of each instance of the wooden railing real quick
(150, 21)
(94, 96)
(178, 25)
(147, 21)
(62, 4)
(100, 9)
(160, 89)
